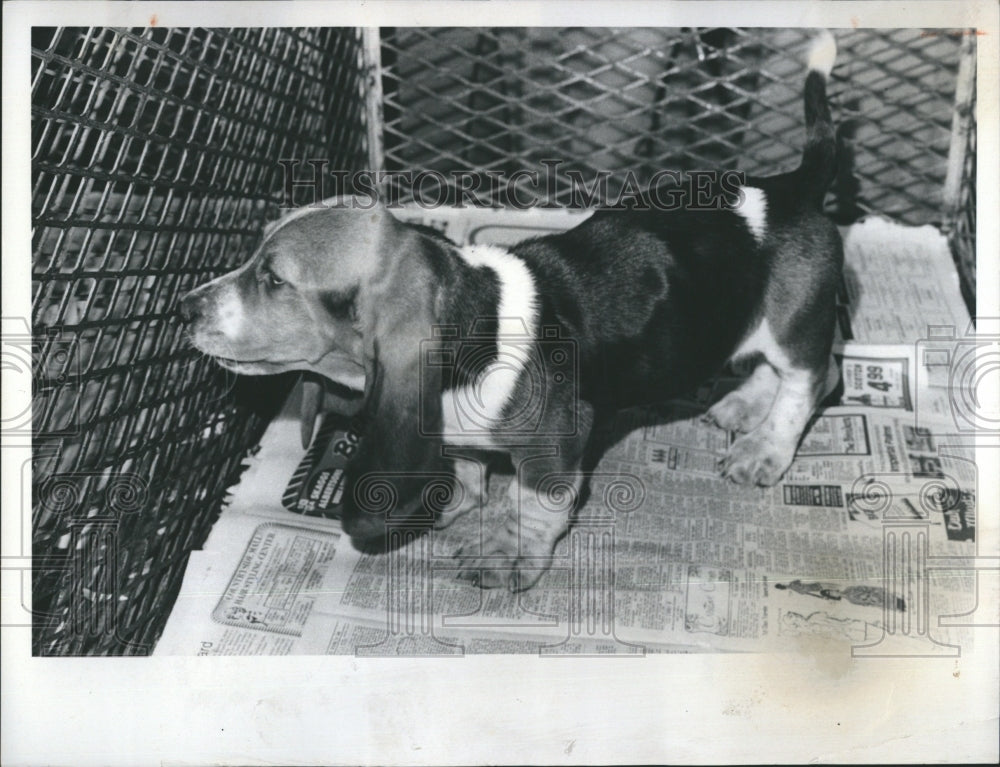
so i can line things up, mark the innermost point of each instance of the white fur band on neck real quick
(517, 323)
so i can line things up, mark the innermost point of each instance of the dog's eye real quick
(270, 277)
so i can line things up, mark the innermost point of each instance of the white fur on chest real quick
(472, 412)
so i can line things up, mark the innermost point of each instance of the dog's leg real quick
(471, 482)
(746, 407)
(537, 511)
(762, 456)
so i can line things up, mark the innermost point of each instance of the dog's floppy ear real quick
(318, 398)
(402, 417)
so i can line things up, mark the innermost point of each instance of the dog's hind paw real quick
(734, 413)
(746, 408)
(753, 460)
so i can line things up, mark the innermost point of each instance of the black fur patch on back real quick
(653, 301)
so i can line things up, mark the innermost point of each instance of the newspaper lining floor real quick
(836, 555)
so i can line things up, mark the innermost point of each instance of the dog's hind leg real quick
(764, 455)
(746, 407)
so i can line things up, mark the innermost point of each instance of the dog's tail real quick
(819, 159)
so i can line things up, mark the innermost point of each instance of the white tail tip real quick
(822, 53)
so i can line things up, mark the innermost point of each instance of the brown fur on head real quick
(346, 292)
(294, 305)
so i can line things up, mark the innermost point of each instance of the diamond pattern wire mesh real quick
(154, 164)
(641, 100)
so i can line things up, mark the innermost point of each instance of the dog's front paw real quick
(752, 459)
(445, 518)
(505, 562)
(470, 493)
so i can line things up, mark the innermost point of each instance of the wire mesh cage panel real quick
(155, 166)
(635, 101)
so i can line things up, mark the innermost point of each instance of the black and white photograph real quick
(500, 383)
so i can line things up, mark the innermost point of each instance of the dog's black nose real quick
(190, 308)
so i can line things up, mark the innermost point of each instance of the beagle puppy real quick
(520, 349)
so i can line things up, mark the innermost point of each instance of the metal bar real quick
(961, 127)
(371, 78)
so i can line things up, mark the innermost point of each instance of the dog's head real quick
(347, 292)
(294, 305)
